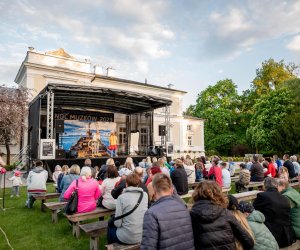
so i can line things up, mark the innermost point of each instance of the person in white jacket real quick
(36, 183)
(16, 183)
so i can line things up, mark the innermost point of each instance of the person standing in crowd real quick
(277, 211)
(263, 238)
(190, 170)
(256, 171)
(36, 182)
(88, 191)
(16, 183)
(2, 169)
(107, 186)
(271, 169)
(213, 225)
(167, 223)
(289, 165)
(226, 180)
(128, 230)
(296, 164)
(68, 179)
(64, 171)
(199, 169)
(215, 172)
(294, 200)
(179, 178)
(231, 166)
(56, 173)
(244, 178)
(233, 205)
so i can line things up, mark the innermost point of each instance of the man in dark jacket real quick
(256, 171)
(179, 178)
(276, 209)
(289, 165)
(167, 223)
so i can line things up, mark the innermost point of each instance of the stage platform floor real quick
(95, 161)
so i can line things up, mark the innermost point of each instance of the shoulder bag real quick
(71, 207)
(113, 218)
(212, 176)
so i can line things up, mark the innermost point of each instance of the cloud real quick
(294, 44)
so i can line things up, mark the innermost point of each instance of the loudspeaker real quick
(59, 126)
(161, 130)
(60, 153)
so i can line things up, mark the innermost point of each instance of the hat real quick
(17, 173)
(245, 207)
(233, 202)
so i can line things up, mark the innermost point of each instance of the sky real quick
(190, 44)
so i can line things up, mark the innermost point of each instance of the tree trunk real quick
(7, 153)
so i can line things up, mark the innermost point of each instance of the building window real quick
(189, 141)
(189, 127)
(122, 135)
(144, 136)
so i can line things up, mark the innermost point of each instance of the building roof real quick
(60, 52)
(99, 98)
(192, 117)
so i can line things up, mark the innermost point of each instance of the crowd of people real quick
(149, 210)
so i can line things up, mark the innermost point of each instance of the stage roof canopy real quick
(98, 98)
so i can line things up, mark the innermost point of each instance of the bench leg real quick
(54, 216)
(43, 208)
(76, 229)
(94, 243)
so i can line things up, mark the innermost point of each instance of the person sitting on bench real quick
(244, 178)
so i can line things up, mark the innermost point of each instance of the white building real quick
(58, 67)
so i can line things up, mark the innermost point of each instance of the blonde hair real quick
(85, 173)
(74, 169)
(110, 161)
(65, 168)
(242, 219)
(129, 160)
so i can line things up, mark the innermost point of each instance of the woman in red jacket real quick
(271, 168)
(215, 172)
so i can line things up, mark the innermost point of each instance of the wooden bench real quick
(235, 178)
(75, 219)
(55, 207)
(295, 246)
(44, 197)
(294, 184)
(247, 196)
(189, 194)
(94, 230)
(254, 184)
(193, 185)
(117, 246)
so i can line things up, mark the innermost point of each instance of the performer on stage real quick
(113, 142)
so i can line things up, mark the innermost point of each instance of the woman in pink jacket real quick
(88, 191)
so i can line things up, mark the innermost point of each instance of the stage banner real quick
(83, 116)
(89, 139)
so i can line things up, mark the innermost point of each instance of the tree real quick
(13, 110)
(219, 106)
(270, 112)
(272, 74)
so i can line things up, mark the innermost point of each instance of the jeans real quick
(30, 199)
(112, 235)
(15, 190)
(198, 175)
(112, 153)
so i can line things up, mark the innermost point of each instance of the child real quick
(16, 182)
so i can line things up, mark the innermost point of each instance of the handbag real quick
(71, 207)
(113, 218)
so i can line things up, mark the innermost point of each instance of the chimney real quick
(31, 48)
(98, 70)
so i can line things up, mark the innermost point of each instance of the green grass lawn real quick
(32, 229)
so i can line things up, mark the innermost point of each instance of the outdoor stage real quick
(69, 123)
